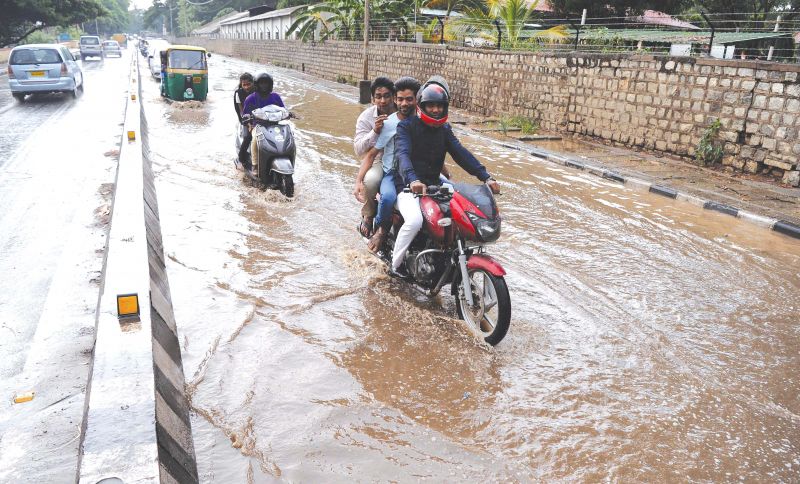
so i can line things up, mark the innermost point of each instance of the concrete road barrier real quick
(137, 425)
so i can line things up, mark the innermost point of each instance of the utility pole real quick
(363, 86)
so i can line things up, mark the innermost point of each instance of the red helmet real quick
(432, 93)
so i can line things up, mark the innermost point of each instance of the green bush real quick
(709, 151)
(39, 37)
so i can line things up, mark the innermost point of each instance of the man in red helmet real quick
(422, 141)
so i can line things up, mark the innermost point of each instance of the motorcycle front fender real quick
(283, 166)
(487, 263)
(478, 261)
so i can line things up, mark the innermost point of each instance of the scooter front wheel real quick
(490, 313)
(287, 185)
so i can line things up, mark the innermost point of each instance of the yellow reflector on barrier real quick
(127, 305)
(131, 135)
(24, 397)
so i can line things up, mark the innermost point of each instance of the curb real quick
(137, 426)
(781, 226)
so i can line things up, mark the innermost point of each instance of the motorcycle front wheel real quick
(287, 185)
(491, 310)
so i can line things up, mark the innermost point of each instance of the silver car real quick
(111, 47)
(90, 46)
(41, 68)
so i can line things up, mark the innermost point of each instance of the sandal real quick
(376, 241)
(365, 228)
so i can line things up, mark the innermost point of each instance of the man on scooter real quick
(422, 142)
(263, 96)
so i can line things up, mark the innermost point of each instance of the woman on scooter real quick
(263, 96)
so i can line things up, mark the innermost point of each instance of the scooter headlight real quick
(487, 230)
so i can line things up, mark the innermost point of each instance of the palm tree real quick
(513, 16)
(344, 19)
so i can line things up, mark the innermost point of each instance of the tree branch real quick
(34, 29)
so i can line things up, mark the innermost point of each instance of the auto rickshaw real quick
(184, 73)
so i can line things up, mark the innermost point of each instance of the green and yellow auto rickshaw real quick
(184, 73)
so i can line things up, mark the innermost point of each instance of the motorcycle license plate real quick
(37, 73)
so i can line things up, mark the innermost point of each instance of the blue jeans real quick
(388, 199)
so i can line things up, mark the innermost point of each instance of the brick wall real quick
(658, 103)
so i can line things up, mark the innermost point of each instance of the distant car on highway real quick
(90, 46)
(111, 47)
(42, 68)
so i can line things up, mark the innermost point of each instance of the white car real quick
(40, 68)
(111, 47)
(154, 49)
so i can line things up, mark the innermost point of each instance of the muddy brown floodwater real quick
(650, 340)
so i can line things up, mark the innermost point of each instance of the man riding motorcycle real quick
(422, 142)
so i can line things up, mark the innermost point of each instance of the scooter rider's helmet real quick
(263, 84)
(433, 92)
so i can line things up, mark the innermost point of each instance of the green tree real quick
(186, 18)
(514, 18)
(225, 11)
(115, 20)
(23, 17)
(344, 19)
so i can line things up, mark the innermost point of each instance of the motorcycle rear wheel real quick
(491, 312)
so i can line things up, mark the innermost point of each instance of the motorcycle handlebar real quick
(247, 118)
(431, 190)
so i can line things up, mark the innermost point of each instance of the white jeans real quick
(408, 205)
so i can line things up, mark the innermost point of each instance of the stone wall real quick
(658, 103)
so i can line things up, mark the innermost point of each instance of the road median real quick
(137, 425)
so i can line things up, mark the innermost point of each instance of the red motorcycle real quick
(458, 220)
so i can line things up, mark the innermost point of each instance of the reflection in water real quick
(650, 340)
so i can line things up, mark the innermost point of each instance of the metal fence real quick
(753, 36)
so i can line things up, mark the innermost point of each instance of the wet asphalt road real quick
(650, 340)
(57, 167)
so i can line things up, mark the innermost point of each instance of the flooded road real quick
(650, 340)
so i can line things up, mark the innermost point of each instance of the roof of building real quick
(275, 13)
(436, 12)
(655, 17)
(677, 36)
(213, 26)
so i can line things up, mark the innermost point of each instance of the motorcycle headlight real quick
(487, 230)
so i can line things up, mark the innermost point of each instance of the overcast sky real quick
(141, 4)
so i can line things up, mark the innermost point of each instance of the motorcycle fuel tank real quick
(432, 214)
